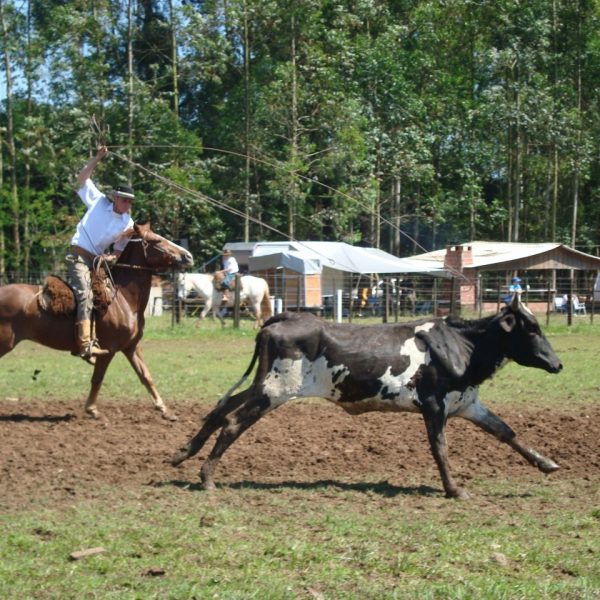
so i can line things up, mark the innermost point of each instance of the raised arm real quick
(86, 172)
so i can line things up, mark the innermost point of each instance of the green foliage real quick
(453, 118)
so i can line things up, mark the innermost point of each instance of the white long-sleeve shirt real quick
(101, 226)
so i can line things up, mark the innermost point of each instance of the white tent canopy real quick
(292, 260)
(312, 257)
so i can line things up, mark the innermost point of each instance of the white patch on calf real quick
(394, 390)
(302, 378)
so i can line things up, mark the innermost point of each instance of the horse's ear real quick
(142, 229)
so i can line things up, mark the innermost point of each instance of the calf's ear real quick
(449, 348)
(508, 322)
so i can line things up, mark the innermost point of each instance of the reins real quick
(139, 267)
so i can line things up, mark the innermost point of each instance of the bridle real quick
(145, 245)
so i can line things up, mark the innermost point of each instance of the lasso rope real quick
(239, 213)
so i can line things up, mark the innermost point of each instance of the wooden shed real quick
(467, 262)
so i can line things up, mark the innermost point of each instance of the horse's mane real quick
(132, 236)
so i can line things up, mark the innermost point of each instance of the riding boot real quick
(88, 348)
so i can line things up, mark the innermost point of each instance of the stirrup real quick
(89, 358)
(95, 350)
(91, 350)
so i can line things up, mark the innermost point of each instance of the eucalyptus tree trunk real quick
(576, 174)
(246, 125)
(2, 239)
(509, 182)
(375, 216)
(294, 139)
(518, 166)
(396, 215)
(174, 60)
(28, 143)
(554, 205)
(130, 88)
(10, 142)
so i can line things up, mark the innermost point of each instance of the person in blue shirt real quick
(515, 285)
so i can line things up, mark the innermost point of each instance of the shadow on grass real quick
(23, 418)
(383, 488)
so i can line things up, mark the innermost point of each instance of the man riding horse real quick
(225, 279)
(104, 224)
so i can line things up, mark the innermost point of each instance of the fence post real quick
(452, 310)
(479, 295)
(498, 295)
(338, 306)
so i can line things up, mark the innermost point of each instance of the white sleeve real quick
(89, 193)
(123, 239)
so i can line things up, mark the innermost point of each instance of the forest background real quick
(404, 124)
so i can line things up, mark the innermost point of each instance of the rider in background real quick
(230, 268)
(515, 285)
(513, 288)
(106, 220)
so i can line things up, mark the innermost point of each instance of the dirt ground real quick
(52, 451)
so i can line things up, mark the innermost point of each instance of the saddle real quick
(58, 298)
(219, 278)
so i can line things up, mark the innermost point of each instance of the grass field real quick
(353, 536)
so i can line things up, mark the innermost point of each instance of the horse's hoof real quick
(169, 416)
(92, 412)
(209, 486)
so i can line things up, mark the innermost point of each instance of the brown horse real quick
(119, 329)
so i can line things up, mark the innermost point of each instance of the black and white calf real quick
(433, 367)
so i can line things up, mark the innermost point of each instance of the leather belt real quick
(82, 252)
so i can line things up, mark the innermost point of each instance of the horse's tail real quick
(266, 310)
(244, 376)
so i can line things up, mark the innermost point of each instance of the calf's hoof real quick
(208, 486)
(547, 466)
(179, 457)
(206, 481)
(458, 494)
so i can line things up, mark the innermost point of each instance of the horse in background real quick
(24, 315)
(254, 293)
(199, 283)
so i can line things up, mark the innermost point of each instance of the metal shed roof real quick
(507, 256)
(343, 257)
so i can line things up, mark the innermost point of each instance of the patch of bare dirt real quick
(52, 450)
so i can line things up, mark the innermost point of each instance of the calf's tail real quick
(244, 377)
